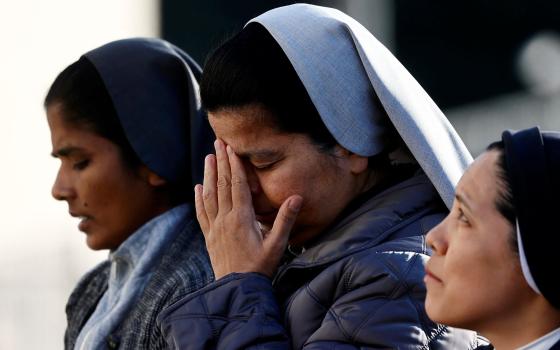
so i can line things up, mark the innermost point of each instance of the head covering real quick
(533, 168)
(346, 71)
(154, 89)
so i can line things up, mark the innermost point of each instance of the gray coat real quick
(359, 287)
(183, 268)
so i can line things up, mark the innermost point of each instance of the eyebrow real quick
(463, 201)
(65, 151)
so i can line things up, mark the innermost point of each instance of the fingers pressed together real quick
(225, 212)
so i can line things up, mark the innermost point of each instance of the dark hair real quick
(504, 198)
(251, 68)
(85, 102)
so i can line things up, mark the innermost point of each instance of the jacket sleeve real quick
(238, 311)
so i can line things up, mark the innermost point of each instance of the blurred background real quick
(490, 65)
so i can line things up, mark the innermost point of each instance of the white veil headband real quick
(343, 68)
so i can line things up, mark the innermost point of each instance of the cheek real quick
(276, 186)
(104, 189)
(466, 265)
(479, 286)
(98, 193)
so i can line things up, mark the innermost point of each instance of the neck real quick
(385, 177)
(522, 326)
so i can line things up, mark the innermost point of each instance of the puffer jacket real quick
(359, 287)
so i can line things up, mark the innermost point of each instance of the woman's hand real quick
(234, 239)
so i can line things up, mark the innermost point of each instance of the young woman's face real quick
(279, 165)
(474, 278)
(110, 199)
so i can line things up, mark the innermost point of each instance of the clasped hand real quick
(234, 239)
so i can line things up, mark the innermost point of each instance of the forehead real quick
(479, 184)
(58, 122)
(66, 134)
(248, 129)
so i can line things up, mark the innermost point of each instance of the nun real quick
(492, 268)
(127, 126)
(331, 165)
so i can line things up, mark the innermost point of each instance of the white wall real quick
(42, 254)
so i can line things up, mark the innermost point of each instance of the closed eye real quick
(462, 218)
(264, 166)
(81, 165)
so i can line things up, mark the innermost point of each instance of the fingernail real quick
(228, 149)
(295, 204)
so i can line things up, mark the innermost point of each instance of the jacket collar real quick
(373, 221)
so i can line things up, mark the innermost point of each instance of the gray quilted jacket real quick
(183, 268)
(359, 287)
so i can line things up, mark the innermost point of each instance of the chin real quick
(94, 243)
(445, 316)
(434, 312)
(299, 237)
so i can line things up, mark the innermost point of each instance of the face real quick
(110, 199)
(474, 278)
(279, 165)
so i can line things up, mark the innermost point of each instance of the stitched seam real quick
(348, 281)
(337, 321)
(364, 321)
(314, 297)
(209, 287)
(374, 243)
(207, 317)
(407, 271)
(391, 295)
(423, 225)
(438, 333)
(286, 315)
(422, 318)
(215, 332)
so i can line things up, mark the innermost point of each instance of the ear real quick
(151, 178)
(356, 163)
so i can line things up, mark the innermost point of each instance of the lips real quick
(84, 221)
(431, 277)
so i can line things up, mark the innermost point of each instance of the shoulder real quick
(394, 266)
(384, 274)
(184, 268)
(84, 299)
(380, 298)
(92, 285)
(374, 297)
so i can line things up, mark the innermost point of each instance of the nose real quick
(437, 238)
(62, 188)
(253, 180)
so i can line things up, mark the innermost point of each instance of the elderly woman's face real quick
(474, 277)
(279, 165)
(110, 199)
